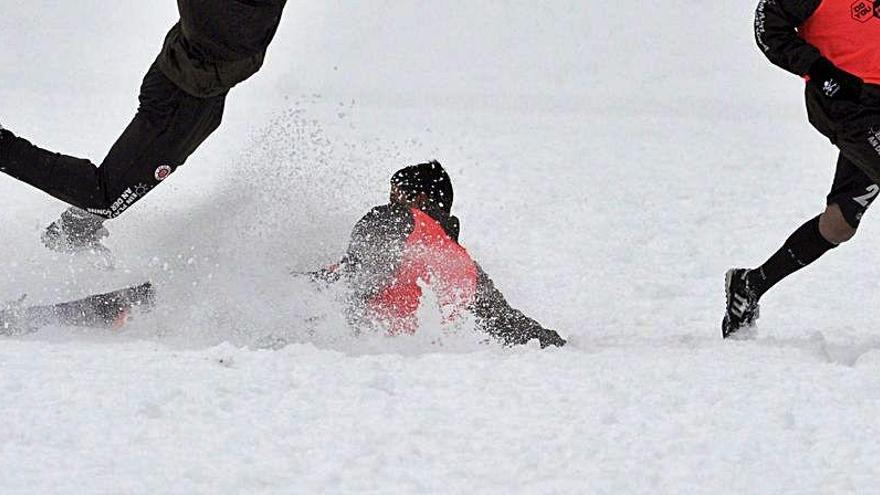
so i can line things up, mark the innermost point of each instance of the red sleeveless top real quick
(430, 259)
(847, 32)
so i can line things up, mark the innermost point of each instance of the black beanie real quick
(428, 178)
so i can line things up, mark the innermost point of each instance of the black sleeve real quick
(495, 317)
(776, 24)
(376, 248)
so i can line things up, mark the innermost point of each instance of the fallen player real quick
(397, 251)
(411, 243)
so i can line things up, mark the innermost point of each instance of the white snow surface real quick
(610, 160)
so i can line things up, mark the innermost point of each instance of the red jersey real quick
(847, 32)
(430, 258)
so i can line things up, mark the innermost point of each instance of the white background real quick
(610, 160)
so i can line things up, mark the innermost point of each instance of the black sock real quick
(805, 246)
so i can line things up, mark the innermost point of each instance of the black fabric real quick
(218, 43)
(375, 249)
(854, 127)
(776, 23)
(851, 116)
(168, 127)
(852, 191)
(802, 248)
(834, 82)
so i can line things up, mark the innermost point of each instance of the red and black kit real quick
(216, 45)
(395, 251)
(835, 45)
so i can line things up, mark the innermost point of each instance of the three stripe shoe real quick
(742, 306)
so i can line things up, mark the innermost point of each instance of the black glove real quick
(835, 83)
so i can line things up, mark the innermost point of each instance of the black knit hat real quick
(429, 179)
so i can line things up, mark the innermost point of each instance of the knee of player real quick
(844, 234)
(834, 226)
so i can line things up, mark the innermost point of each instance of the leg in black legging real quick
(168, 127)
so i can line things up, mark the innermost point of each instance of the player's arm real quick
(497, 318)
(776, 24)
(375, 249)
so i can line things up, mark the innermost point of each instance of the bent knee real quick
(834, 227)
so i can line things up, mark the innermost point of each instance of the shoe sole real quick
(728, 277)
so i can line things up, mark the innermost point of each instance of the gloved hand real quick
(835, 83)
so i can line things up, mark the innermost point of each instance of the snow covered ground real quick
(610, 163)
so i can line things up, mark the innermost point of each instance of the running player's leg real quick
(169, 125)
(852, 193)
(70, 179)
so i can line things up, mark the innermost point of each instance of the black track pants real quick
(168, 127)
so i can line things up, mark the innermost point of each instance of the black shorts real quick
(854, 127)
(853, 191)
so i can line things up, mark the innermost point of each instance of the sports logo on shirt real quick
(865, 10)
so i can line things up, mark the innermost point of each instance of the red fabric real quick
(847, 32)
(432, 257)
